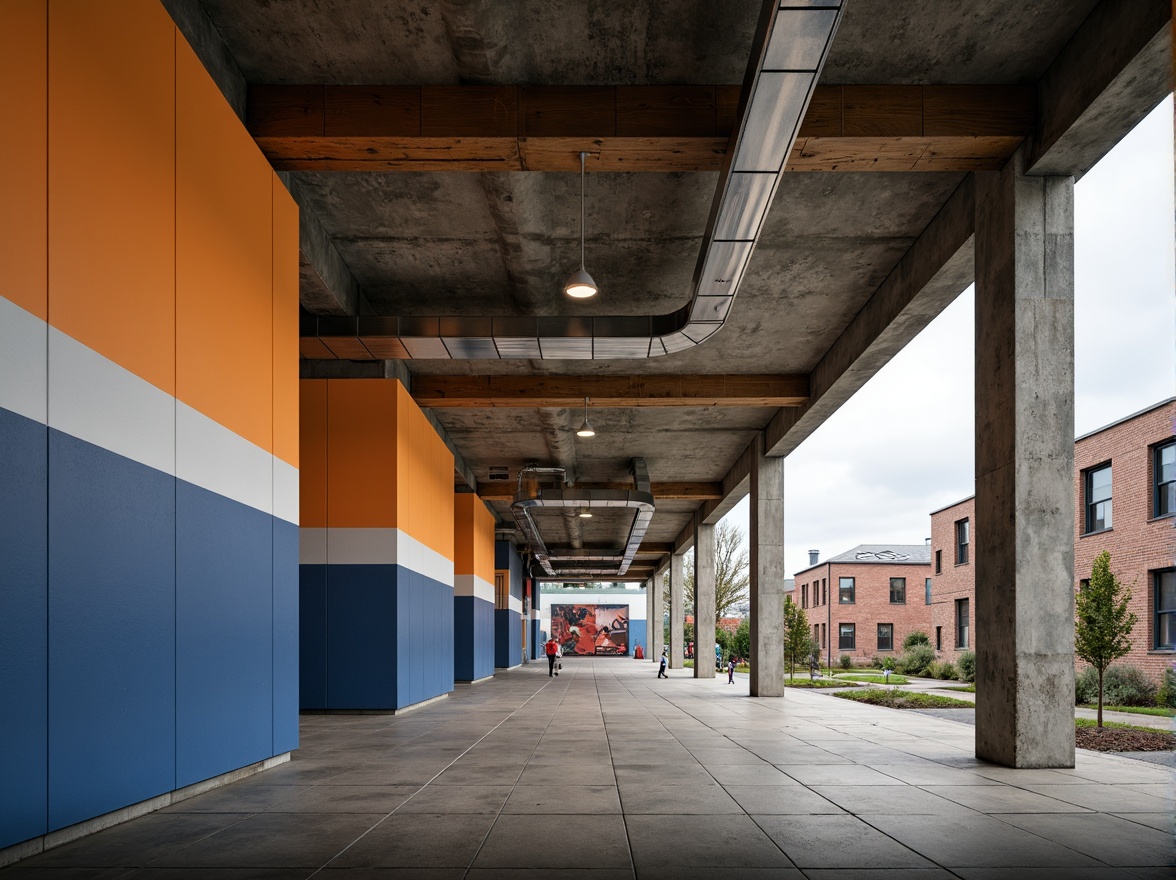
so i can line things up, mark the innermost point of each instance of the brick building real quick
(866, 601)
(1125, 486)
(953, 579)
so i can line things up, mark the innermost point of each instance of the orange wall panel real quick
(312, 477)
(361, 453)
(484, 523)
(224, 260)
(285, 323)
(112, 181)
(23, 159)
(464, 551)
(424, 500)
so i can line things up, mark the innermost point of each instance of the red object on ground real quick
(638, 653)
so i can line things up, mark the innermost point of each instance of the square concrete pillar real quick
(704, 600)
(677, 611)
(767, 574)
(1024, 468)
(656, 636)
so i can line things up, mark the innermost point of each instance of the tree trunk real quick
(1100, 696)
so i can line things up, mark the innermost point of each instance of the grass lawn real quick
(1110, 725)
(818, 683)
(904, 699)
(1161, 711)
(870, 678)
(966, 688)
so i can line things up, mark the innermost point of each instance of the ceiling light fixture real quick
(580, 285)
(586, 428)
(585, 513)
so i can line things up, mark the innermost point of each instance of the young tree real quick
(796, 635)
(741, 642)
(1103, 626)
(732, 575)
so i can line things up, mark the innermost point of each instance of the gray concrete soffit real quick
(1114, 70)
(206, 42)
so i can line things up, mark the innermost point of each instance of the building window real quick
(961, 623)
(804, 596)
(1083, 585)
(817, 633)
(927, 591)
(886, 637)
(846, 591)
(846, 637)
(962, 538)
(824, 636)
(898, 591)
(1164, 585)
(938, 638)
(1098, 498)
(1164, 474)
(824, 592)
(939, 562)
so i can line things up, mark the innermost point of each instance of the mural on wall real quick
(591, 629)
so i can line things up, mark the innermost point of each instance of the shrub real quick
(1166, 695)
(1086, 686)
(1125, 685)
(947, 670)
(916, 660)
(967, 666)
(918, 637)
(845, 661)
(876, 662)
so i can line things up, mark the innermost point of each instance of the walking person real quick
(551, 649)
(731, 671)
(661, 666)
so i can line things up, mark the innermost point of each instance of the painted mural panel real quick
(591, 629)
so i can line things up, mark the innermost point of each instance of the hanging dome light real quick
(586, 428)
(585, 513)
(580, 285)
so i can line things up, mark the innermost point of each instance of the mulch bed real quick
(1111, 739)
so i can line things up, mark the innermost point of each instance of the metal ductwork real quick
(791, 44)
(574, 564)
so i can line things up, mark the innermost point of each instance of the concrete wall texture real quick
(148, 518)
(376, 549)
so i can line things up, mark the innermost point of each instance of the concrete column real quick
(657, 613)
(1023, 536)
(767, 574)
(677, 611)
(704, 600)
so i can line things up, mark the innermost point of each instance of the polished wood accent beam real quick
(682, 491)
(627, 128)
(488, 392)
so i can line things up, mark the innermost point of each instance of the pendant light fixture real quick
(586, 428)
(585, 513)
(580, 285)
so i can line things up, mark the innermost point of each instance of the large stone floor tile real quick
(138, 842)
(419, 840)
(457, 799)
(1107, 798)
(570, 771)
(749, 774)
(837, 842)
(905, 800)
(671, 798)
(563, 800)
(707, 756)
(1099, 873)
(238, 799)
(463, 774)
(878, 874)
(782, 800)
(1004, 799)
(217, 874)
(709, 845)
(1160, 821)
(1106, 838)
(929, 773)
(556, 842)
(546, 874)
(839, 774)
(329, 798)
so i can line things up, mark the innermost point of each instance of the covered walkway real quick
(610, 772)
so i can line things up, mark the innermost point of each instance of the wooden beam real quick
(488, 392)
(627, 128)
(683, 491)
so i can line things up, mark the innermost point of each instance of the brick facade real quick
(952, 581)
(1139, 543)
(817, 591)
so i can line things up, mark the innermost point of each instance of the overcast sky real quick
(903, 445)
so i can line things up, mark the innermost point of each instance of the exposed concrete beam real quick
(1114, 70)
(505, 490)
(610, 391)
(206, 42)
(627, 128)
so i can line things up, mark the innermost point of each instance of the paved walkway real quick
(606, 772)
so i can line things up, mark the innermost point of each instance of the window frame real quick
(938, 638)
(901, 601)
(890, 637)
(962, 527)
(852, 646)
(1088, 520)
(1157, 611)
(939, 561)
(1158, 486)
(927, 591)
(964, 630)
(841, 588)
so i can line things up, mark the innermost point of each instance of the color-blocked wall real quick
(508, 621)
(473, 588)
(376, 549)
(147, 516)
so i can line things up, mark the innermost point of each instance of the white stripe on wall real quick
(286, 500)
(24, 350)
(472, 585)
(374, 547)
(212, 457)
(94, 399)
(412, 554)
(516, 604)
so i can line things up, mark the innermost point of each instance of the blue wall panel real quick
(424, 637)
(473, 638)
(112, 616)
(508, 638)
(361, 637)
(537, 640)
(312, 636)
(637, 636)
(285, 625)
(23, 615)
(224, 634)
